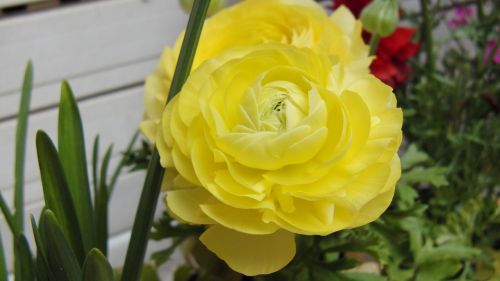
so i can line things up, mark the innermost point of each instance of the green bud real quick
(380, 17)
(215, 6)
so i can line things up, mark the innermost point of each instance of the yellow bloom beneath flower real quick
(269, 141)
(301, 23)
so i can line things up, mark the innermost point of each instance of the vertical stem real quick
(152, 184)
(428, 40)
(374, 44)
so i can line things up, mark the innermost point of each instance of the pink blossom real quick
(489, 48)
(461, 16)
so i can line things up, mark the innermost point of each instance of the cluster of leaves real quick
(71, 234)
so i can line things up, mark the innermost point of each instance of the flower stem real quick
(374, 44)
(428, 40)
(152, 184)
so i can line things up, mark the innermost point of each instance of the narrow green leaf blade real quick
(97, 267)
(3, 265)
(22, 127)
(42, 266)
(101, 204)
(95, 163)
(71, 146)
(56, 193)
(9, 218)
(152, 184)
(24, 267)
(61, 258)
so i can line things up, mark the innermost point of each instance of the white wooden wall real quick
(105, 49)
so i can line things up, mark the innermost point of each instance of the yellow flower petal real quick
(246, 221)
(184, 204)
(250, 254)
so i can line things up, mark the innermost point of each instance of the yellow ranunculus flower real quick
(300, 23)
(269, 141)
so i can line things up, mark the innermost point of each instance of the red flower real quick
(393, 51)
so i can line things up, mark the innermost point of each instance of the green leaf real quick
(61, 258)
(95, 163)
(450, 251)
(9, 218)
(71, 146)
(162, 256)
(3, 265)
(412, 157)
(24, 260)
(152, 184)
(22, 127)
(406, 194)
(183, 273)
(123, 162)
(434, 175)
(42, 266)
(97, 267)
(56, 193)
(439, 270)
(352, 276)
(149, 273)
(101, 204)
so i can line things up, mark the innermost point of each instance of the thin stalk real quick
(152, 184)
(428, 40)
(480, 10)
(374, 44)
(122, 163)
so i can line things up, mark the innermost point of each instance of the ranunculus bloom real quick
(269, 141)
(252, 22)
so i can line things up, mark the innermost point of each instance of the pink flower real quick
(461, 17)
(489, 48)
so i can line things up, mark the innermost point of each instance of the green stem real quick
(428, 40)
(480, 10)
(122, 163)
(374, 44)
(152, 184)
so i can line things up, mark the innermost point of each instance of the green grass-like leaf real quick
(3, 265)
(101, 204)
(22, 127)
(61, 258)
(71, 146)
(56, 192)
(96, 267)
(152, 184)
(24, 267)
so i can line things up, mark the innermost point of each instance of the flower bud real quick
(215, 6)
(381, 17)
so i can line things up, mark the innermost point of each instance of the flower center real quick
(273, 112)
